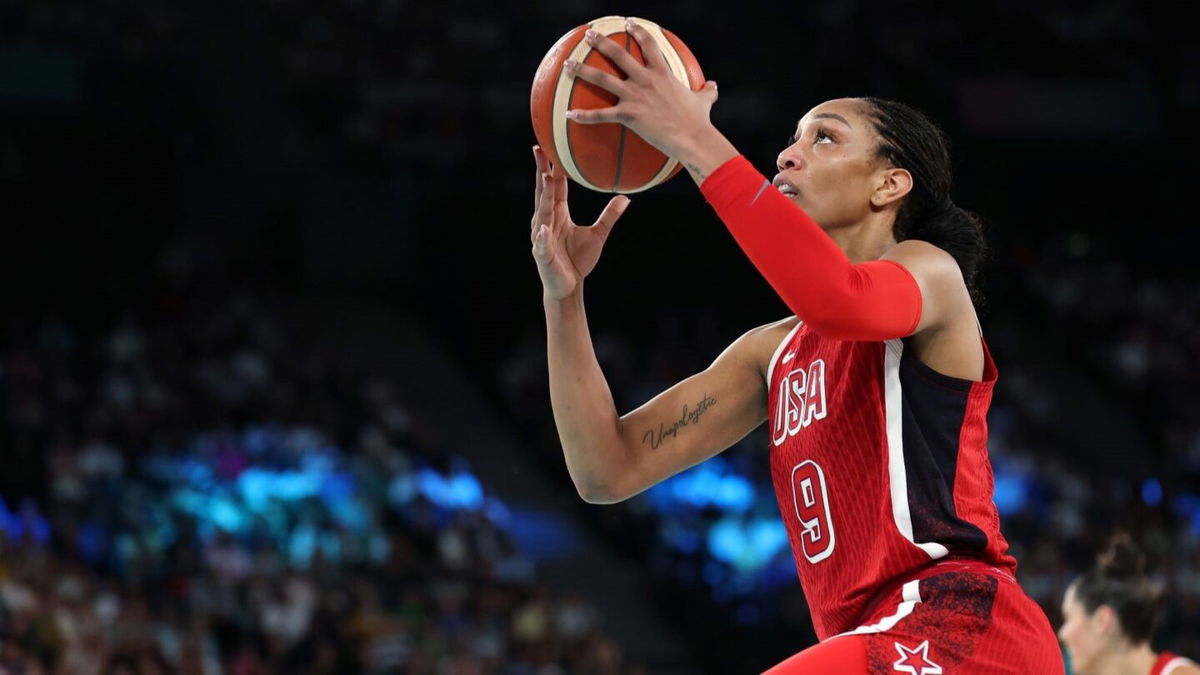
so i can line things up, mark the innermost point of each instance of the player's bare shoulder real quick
(752, 352)
(764, 341)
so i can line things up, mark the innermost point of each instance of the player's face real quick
(830, 168)
(1081, 635)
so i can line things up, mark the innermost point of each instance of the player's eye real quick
(822, 136)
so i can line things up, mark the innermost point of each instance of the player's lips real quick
(784, 186)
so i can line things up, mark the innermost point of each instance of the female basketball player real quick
(1108, 618)
(876, 391)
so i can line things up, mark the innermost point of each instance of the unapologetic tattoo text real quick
(690, 416)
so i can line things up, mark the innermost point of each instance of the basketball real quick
(602, 157)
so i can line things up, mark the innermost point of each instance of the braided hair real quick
(909, 140)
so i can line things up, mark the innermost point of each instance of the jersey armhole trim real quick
(1175, 663)
(779, 350)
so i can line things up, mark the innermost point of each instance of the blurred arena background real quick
(272, 366)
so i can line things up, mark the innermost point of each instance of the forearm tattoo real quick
(689, 416)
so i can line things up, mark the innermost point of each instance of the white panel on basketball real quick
(606, 26)
(680, 73)
(558, 113)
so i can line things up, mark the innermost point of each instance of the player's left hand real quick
(655, 105)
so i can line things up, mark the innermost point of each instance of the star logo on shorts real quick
(915, 661)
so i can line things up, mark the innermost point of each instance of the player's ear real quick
(1104, 620)
(891, 185)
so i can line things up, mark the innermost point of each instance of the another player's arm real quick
(610, 457)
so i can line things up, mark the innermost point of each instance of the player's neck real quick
(1131, 661)
(864, 241)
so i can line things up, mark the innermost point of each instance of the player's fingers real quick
(606, 81)
(709, 92)
(655, 60)
(539, 158)
(545, 206)
(611, 213)
(615, 114)
(559, 185)
(551, 167)
(624, 60)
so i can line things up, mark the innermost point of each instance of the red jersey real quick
(880, 466)
(1167, 662)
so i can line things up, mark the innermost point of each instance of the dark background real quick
(157, 155)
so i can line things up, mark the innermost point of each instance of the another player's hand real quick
(655, 105)
(565, 252)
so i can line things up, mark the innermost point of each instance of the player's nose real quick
(789, 159)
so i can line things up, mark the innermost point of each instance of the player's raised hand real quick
(653, 103)
(565, 253)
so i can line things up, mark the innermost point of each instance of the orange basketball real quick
(603, 157)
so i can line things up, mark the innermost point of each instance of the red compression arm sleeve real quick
(876, 300)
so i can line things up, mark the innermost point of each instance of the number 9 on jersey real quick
(812, 509)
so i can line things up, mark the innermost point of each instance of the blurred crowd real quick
(1139, 337)
(365, 74)
(198, 493)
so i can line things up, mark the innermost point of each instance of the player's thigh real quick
(845, 654)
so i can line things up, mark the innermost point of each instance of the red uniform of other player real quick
(1169, 663)
(875, 392)
(1108, 618)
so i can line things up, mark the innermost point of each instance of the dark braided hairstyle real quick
(1118, 580)
(911, 141)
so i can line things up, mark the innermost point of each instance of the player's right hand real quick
(565, 252)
